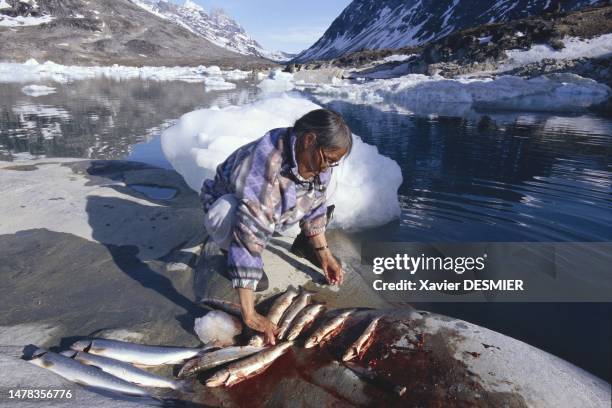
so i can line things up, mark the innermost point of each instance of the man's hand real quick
(253, 319)
(331, 268)
(260, 323)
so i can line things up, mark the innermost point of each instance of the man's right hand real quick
(253, 319)
(260, 323)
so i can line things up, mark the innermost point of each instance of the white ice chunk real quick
(37, 90)
(431, 94)
(364, 187)
(277, 81)
(31, 71)
(218, 328)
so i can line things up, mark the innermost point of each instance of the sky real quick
(282, 25)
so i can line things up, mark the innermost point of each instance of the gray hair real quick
(329, 126)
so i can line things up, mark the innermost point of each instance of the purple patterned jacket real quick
(272, 196)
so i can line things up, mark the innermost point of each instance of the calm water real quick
(476, 177)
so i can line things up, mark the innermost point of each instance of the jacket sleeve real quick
(314, 221)
(258, 195)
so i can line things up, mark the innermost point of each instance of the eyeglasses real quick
(325, 163)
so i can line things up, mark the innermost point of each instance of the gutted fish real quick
(328, 330)
(361, 345)
(296, 307)
(277, 310)
(249, 367)
(216, 358)
(304, 319)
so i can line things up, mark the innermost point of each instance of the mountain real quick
(105, 32)
(216, 27)
(377, 24)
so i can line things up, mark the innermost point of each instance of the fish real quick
(139, 354)
(304, 319)
(249, 367)
(83, 374)
(216, 358)
(275, 313)
(298, 304)
(363, 342)
(379, 381)
(122, 370)
(222, 304)
(328, 330)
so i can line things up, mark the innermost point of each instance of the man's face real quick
(313, 159)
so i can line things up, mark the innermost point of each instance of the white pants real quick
(220, 218)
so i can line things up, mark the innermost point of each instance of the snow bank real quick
(364, 187)
(31, 70)
(37, 90)
(422, 94)
(574, 48)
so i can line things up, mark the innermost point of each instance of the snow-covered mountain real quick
(106, 32)
(376, 24)
(216, 27)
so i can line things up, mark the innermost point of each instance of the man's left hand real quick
(331, 268)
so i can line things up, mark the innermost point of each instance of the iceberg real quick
(363, 188)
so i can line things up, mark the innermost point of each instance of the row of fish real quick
(293, 313)
(113, 365)
(117, 365)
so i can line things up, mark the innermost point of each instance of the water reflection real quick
(99, 118)
(494, 177)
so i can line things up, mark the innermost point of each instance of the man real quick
(268, 186)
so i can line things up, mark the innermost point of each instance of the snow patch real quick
(575, 47)
(364, 186)
(21, 21)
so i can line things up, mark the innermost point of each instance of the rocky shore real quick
(115, 249)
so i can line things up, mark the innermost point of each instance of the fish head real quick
(218, 379)
(69, 353)
(311, 342)
(39, 352)
(81, 345)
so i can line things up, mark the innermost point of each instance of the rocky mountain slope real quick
(376, 24)
(484, 48)
(215, 26)
(105, 32)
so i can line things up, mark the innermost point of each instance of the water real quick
(496, 176)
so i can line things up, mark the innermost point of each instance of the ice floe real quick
(429, 94)
(364, 187)
(37, 90)
(32, 71)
